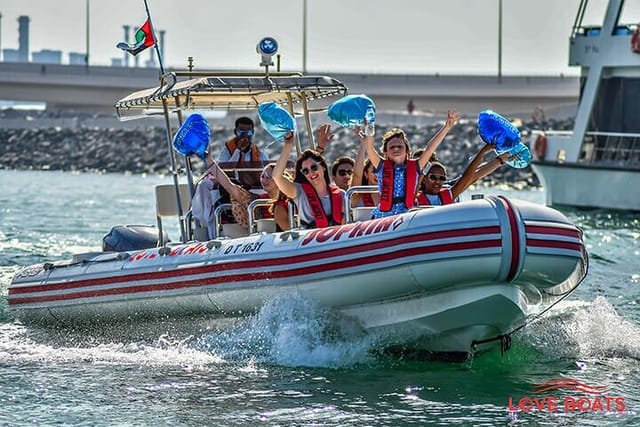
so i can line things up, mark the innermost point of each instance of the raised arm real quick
(375, 158)
(323, 138)
(432, 145)
(358, 167)
(234, 190)
(470, 174)
(286, 186)
(491, 166)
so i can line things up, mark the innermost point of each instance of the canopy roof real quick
(228, 93)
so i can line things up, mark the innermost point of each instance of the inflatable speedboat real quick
(455, 278)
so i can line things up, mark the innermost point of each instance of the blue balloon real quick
(519, 156)
(496, 130)
(276, 120)
(193, 136)
(349, 111)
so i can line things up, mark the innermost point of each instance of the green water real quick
(280, 369)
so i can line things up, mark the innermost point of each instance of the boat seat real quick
(166, 205)
(362, 213)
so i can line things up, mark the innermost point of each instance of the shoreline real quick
(138, 149)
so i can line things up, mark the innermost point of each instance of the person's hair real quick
(281, 195)
(437, 164)
(244, 121)
(310, 154)
(393, 133)
(367, 165)
(416, 155)
(341, 161)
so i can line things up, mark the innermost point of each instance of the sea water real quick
(290, 364)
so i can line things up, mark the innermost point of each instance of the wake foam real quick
(595, 330)
(292, 331)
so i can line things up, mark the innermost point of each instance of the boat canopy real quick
(233, 92)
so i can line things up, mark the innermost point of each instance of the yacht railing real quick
(612, 147)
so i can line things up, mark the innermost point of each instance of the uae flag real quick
(144, 39)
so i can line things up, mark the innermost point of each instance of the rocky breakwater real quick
(144, 150)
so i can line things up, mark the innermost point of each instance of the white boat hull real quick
(599, 187)
(447, 278)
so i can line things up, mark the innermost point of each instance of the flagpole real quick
(153, 33)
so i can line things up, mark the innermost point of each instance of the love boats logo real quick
(593, 398)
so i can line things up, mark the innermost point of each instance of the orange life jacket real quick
(319, 214)
(410, 182)
(445, 195)
(233, 146)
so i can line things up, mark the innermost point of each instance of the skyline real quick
(365, 36)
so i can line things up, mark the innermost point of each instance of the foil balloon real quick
(276, 120)
(349, 111)
(519, 156)
(496, 130)
(193, 136)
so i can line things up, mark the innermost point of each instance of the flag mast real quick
(153, 33)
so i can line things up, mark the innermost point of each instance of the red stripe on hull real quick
(264, 275)
(321, 254)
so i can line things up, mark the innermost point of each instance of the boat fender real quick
(540, 146)
(635, 41)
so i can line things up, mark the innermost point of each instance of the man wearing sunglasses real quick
(342, 172)
(240, 148)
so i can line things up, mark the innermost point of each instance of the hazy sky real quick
(380, 36)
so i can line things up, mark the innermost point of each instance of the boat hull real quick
(449, 278)
(588, 186)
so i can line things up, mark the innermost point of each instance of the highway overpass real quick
(95, 88)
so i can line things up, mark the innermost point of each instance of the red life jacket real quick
(316, 205)
(410, 182)
(233, 146)
(445, 196)
(367, 199)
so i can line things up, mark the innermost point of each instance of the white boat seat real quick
(362, 213)
(166, 204)
(266, 225)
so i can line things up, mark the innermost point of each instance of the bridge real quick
(97, 88)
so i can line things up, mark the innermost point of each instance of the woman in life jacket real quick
(279, 208)
(434, 191)
(318, 201)
(397, 173)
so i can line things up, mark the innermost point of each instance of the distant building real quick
(47, 56)
(11, 55)
(23, 38)
(77, 58)
(116, 62)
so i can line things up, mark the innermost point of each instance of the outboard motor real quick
(131, 238)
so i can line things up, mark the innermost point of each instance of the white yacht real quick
(598, 164)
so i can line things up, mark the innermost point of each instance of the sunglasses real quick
(436, 178)
(345, 172)
(306, 171)
(241, 133)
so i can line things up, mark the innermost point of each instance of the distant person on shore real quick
(319, 202)
(241, 148)
(397, 173)
(410, 107)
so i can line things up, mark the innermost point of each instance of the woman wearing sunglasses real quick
(397, 173)
(319, 202)
(433, 190)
